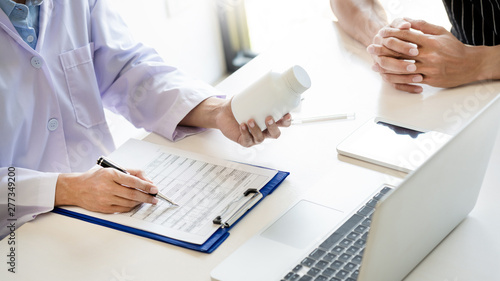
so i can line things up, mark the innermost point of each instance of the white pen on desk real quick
(106, 163)
(323, 118)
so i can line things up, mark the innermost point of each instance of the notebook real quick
(402, 226)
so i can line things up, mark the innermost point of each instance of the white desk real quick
(54, 247)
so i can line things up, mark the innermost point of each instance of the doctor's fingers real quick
(112, 197)
(116, 204)
(111, 185)
(272, 131)
(140, 174)
(246, 138)
(136, 179)
(256, 133)
(285, 121)
(130, 197)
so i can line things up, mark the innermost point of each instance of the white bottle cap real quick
(297, 79)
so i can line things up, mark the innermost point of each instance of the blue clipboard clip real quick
(240, 206)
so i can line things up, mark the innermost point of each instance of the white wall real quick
(270, 20)
(185, 32)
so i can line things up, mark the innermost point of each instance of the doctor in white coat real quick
(61, 61)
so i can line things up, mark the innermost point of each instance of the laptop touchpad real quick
(303, 225)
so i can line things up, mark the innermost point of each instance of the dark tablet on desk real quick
(392, 145)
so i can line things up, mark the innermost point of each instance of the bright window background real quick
(270, 19)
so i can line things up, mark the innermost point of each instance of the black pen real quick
(106, 163)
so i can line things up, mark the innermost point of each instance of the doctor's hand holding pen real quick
(105, 190)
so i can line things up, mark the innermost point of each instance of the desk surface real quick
(67, 249)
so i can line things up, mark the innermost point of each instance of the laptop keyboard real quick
(339, 256)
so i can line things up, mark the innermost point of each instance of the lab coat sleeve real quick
(24, 194)
(135, 81)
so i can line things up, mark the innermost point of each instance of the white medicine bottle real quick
(274, 94)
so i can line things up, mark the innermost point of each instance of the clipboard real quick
(208, 246)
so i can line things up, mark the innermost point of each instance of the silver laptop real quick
(388, 234)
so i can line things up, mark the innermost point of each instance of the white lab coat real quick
(51, 98)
